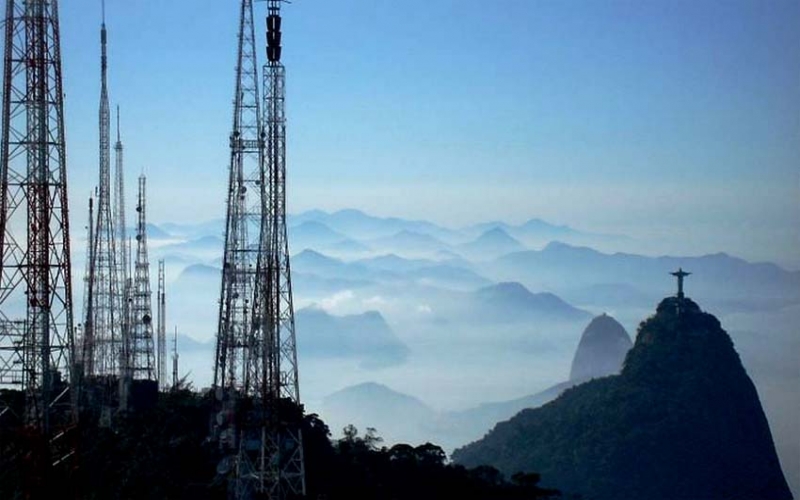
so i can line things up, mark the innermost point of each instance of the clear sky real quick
(675, 121)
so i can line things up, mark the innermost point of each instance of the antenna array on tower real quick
(256, 355)
(140, 363)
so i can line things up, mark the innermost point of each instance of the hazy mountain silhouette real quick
(362, 226)
(536, 232)
(511, 301)
(313, 234)
(365, 337)
(317, 236)
(454, 428)
(199, 274)
(215, 227)
(601, 351)
(394, 263)
(187, 345)
(396, 416)
(492, 243)
(562, 267)
(532, 229)
(349, 247)
(385, 269)
(312, 262)
(682, 421)
(409, 243)
(610, 295)
(447, 276)
(203, 247)
(309, 285)
(192, 298)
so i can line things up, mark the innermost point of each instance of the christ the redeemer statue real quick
(680, 274)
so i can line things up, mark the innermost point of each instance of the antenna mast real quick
(103, 324)
(37, 348)
(175, 360)
(161, 367)
(276, 370)
(140, 362)
(124, 256)
(256, 356)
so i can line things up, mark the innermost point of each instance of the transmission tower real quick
(256, 355)
(102, 326)
(243, 219)
(124, 256)
(242, 231)
(139, 364)
(275, 369)
(36, 324)
(161, 367)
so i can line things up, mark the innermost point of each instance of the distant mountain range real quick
(357, 224)
(202, 248)
(511, 301)
(397, 417)
(351, 231)
(410, 243)
(387, 269)
(563, 267)
(317, 236)
(378, 406)
(491, 244)
(365, 337)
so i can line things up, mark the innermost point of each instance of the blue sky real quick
(677, 122)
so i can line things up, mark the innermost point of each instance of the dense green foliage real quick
(354, 467)
(682, 421)
(164, 452)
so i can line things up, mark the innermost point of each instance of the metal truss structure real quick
(140, 363)
(36, 322)
(256, 358)
(161, 330)
(103, 341)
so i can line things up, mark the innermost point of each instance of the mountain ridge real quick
(683, 414)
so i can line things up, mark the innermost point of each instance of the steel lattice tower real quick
(36, 323)
(82, 353)
(175, 380)
(275, 368)
(243, 220)
(256, 354)
(161, 366)
(103, 341)
(124, 256)
(140, 364)
(235, 334)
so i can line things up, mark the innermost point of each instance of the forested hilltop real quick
(682, 421)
